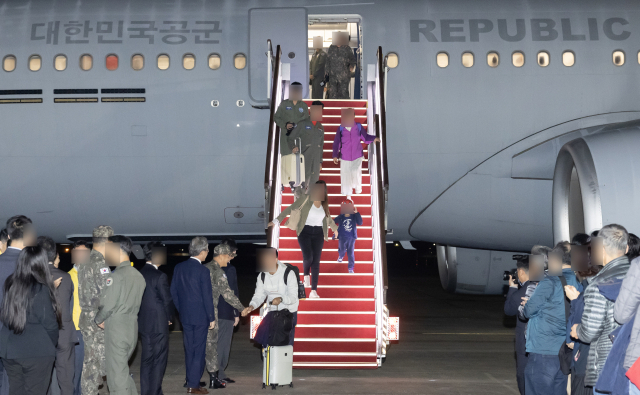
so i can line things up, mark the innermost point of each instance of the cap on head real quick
(222, 249)
(347, 201)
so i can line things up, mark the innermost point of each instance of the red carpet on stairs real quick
(337, 331)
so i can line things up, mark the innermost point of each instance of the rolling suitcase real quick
(292, 168)
(278, 366)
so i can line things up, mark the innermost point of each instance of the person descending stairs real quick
(338, 329)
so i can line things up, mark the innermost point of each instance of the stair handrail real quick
(272, 163)
(381, 161)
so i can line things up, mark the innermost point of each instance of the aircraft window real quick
(112, 62)
(188, 61)
(442, 59)
(9, 63)
(518, 59)
(239, 61)
(392, 60)
(467, 59)
(493, 59)
(60, 63)
(35, 62)
(618, 58)
(163, 62)
(568, 58)
(214, 61)
(543, 59)
(86, 62)
(137, 62)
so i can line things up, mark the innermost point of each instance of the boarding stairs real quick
(347, 327)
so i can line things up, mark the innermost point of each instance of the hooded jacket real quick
(597, 318)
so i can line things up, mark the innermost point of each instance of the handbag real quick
(294, 217)
(565, 354)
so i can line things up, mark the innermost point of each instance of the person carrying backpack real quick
(280, 292)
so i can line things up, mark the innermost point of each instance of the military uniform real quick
(312, 139)
(339, 61)
(292, 113)
(316, 69)
(220, 287)
(92, 277)
(119, 308)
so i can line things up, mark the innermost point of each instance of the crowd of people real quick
(575, 305)
(64, 332)
(331, 71)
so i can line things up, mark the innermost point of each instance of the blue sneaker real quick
(339, 259)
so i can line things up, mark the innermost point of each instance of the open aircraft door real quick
(286, 27)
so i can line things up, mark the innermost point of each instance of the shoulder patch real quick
(109, 281)
(105, 270)
(301, 109)
(224, 275)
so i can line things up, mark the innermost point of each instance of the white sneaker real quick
(351, 271)
(340, 259)
(307, 281)
(313, 295)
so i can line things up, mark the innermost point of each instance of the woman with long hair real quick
(31, 319)
(312, 230)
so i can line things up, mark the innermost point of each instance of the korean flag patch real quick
(104, 270)
(224, 275)
(301, 110)
(109, 281)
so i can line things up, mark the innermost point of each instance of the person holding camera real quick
(518, 283)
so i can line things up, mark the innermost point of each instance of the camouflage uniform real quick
(292, 113)
(316, 69)
(92, 278)
(220, 287)
(339, 60)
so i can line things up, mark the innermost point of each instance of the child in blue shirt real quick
(347, 222)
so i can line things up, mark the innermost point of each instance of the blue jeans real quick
(543, 376)
(633, 390)
(347, 244)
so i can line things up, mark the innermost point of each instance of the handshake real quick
(249, 309)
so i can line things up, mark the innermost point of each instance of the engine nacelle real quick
(597, 182)
(469, 271)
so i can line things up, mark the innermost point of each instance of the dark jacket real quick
(597, 318)
(8, 262)
(64, 296)
(40, 334)
(192, 293)
(511, 304)
(580, 349)
(225, 310)
(348, 226)
(626, 308)
(156, 308)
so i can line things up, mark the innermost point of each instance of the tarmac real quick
(449, 344)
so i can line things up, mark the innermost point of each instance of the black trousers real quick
(29, 376)
(311, 241)
(521, 360)
(153, 363)
(65, 368)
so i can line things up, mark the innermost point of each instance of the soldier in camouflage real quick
(316, 68)
(220, 286)
(340, 63)
(92, 277)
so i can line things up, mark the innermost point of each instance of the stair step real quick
(327, 255)
(336, 319)
(324, 344)
(363, 231)
(324, 304)
(332, 332)
(365, 212)
(337, 293)
(331, 244)
(332, 118)
(335, 365)
(342, 103)
(362, 202)
(335, 357)
(338, 111)
(334, 267)
(344, 278)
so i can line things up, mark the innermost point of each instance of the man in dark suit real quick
(21, 233)
(154, 319)
(193, 297)
(511, 304)
(65, 350)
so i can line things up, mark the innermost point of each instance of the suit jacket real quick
(8, 262)
(40, 334)
(156, 308)
(64, 296)
(192, 293)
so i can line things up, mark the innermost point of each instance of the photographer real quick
(517, 288)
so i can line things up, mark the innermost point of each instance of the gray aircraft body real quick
(483, 99)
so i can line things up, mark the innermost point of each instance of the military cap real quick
(222, 249)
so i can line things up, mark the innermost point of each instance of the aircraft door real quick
(286, 27)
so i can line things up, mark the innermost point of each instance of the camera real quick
(510, 273)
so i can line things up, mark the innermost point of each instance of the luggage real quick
(302, 295)
(292, 168)
(278, 366)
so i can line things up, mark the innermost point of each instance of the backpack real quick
(302, 295)
(280, 327)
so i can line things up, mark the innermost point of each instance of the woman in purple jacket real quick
(347, 147)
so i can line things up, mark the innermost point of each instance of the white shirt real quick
(274, 287)
(15, 248)
(154, 266)
(348, 128)
(316, 216)
(199, 261)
